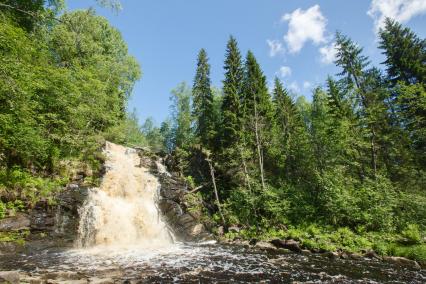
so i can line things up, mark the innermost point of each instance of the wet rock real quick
(197, 230)
(9, 277)
(355, 256)
(220, 231)
(10, 247)
(401, 261)
(331, 254)
(96, 280)
(344, 255)
(371, 254)
(287, 244)
(265, 246)
(306, 251)
(18, 222)
(42, 220)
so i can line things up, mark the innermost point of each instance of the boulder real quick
(18, 222)
(331, 254)
(287, 244)
(9, 277)
(371, 254)
(402, 261)
(265, 245)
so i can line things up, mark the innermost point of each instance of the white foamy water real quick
(122, 212)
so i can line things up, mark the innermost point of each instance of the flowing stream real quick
(121, 239)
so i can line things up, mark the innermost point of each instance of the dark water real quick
(201, 263)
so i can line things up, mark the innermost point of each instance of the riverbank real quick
(405, 248)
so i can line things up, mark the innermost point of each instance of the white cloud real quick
(294, 87)
(285, 71)
(275, 47)
(400, 10)
(307, 85)
(328, 53)
(304, 25)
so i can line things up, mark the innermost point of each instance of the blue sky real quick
(291, 39)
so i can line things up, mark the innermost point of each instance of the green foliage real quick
(411, 234)
(17, 237)
(3, 209)
(127, 132)
(415, 252)
(63, 90)
(203, 102)
(232, 89)
(405, 53)
(181, 116)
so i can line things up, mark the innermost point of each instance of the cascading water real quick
(122, 211)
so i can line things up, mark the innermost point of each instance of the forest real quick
(345, 170)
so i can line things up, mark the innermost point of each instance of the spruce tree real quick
(232, 85)
(203, 104)
(405, 53)
(257, 112)
(284, 110)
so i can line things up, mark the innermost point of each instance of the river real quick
(200, 263)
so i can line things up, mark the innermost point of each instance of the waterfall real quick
(122, 211)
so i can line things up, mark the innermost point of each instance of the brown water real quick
(123, 212)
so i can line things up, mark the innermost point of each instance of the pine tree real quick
(232, 87)
(405, 53)
(203, 109)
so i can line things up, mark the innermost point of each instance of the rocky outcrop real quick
(18, 222)
(185, 224)
(50, 225)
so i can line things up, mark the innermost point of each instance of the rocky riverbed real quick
(199, 263)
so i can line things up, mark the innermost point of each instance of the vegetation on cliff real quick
(64, 85)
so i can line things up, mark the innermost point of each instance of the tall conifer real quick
(232, 85)
(203, 109)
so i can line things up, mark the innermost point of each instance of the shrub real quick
(411, 234)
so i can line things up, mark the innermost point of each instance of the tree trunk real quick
(259, 150)
(215, 190)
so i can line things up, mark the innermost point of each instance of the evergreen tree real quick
(257, 112)
(284, 115)
(365, 85)
(232, 87)
(405, 53)
(203, 109)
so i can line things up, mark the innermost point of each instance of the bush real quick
(411, 235)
